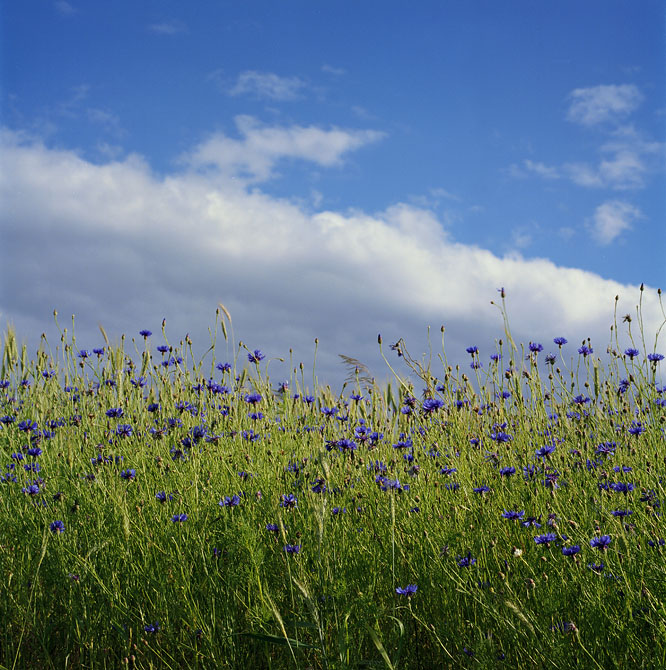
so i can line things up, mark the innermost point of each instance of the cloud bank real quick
(115, 244)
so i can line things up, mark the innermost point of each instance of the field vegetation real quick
(160, 511)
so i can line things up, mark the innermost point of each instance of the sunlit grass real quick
(163, 512)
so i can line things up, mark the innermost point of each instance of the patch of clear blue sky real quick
(463, 90)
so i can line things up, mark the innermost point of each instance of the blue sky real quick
(332, 169)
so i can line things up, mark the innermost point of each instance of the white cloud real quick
(120, 246)
(254, 156)
(521, 238)
(583, 174)
(64, 7)
(625, 162)
(168, 27)
(611, 219)
(335, 71)
(599, 104)
(268, 85)
(543, 170)
(109, 121)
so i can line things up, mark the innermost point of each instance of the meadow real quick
(164, 511)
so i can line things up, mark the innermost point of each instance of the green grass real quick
(221, 588)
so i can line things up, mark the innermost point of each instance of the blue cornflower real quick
(34, 452)
(636, 428)
(585, 350)
(596, 567)
(472, 350)
(481, 489)
(391, 484)
(622, 512)
(622, 487)
(377, 466)
(535, 347)
(600, 542)
(152, 627)
(124, 430)
(99, 351)
(500, 437)
(655, 358)
(550, 359)
(255, 356)
(546, 450)
(83, 354)
(624, 468)
(571, 551)
(153, 407)
(545, 539)
(564, 627)
(27, 425)
(223, 367)
(431, 405)
(288, 500)
(114, 412)
(560, 341)
(179, 518)
(57, 527)
(513, 515)
(163, 497)
(606, 448)
(318, 485)
(145, 334)
(128, 474)
(163, 348)
(253, 398)
(230, 501)
(292, 548)
(465, 561)
(631, 353)
(272, 527)
(344, 444)
(408, 590)
(507, 472)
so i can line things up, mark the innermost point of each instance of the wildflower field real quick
(160, 511)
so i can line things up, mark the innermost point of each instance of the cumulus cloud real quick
(600, 104)
(267, 85)
(254, 156)
(612, 218)
(116, 244)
